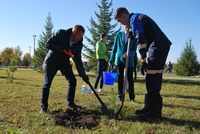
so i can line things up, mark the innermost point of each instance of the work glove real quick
(85, 78)
(143, 67)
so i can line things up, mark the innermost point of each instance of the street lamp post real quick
(30, 51)
(29, 55)
(34, 36)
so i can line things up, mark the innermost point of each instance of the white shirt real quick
(71, 42)
(125, 37)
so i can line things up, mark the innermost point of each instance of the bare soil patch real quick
(80, 118)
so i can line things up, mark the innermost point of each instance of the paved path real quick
(178, 78)
(181, 78)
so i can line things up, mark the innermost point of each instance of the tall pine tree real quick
(41, 51)
(187, 64)
(103, 25)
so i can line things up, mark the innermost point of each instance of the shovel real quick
(104, 107)
(125, 79)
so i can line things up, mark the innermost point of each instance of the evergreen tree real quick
(41, 51)
(187, 64)
(103, 25)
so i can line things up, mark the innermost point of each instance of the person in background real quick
(102, 61)
(169, 68)
(118, 56)
(153, 41)
(56, 59)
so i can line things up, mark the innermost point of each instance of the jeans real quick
(101, 66)
(130, 81)
(49, 75)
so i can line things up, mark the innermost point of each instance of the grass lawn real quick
(20, 106)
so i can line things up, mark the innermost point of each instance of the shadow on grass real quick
(177, 122)
(181, 96)
(175, 106)
(174, 81)
(3, 77)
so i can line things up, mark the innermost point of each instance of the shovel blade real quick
(105, 109)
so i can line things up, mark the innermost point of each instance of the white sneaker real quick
(101, 90)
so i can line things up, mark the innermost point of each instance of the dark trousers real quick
(153, 84)
(130, 81)
(101, 66)
(156, 61)
(49, 75)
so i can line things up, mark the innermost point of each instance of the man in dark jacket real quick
(56, 59)
(151, 39)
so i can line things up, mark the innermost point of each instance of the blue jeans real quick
(49, 75)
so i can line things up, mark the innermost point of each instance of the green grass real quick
(20, 106)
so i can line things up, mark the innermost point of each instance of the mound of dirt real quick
(81, 118)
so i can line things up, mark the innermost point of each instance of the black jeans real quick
(49, 75)
(101, 66)
(130, 81)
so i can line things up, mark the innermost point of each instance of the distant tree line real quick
(10, 55)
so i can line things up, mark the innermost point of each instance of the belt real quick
(141, 46)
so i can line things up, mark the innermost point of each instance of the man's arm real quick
(114, 49)
(52, 42)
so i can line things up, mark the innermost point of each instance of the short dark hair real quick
(102, 35)
(119, 11)
(79, 28)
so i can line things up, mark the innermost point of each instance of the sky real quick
(21, 19)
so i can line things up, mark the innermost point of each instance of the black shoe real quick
(150, 117)
(74, 106)
(142, 111)
(145, 109)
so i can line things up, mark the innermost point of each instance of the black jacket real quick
(58, 60)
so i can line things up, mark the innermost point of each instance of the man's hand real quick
(85, 78)
(143, 67)
(125, 55)
(114, 67)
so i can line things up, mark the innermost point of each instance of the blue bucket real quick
(109, 78)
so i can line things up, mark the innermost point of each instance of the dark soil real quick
(81, 118)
